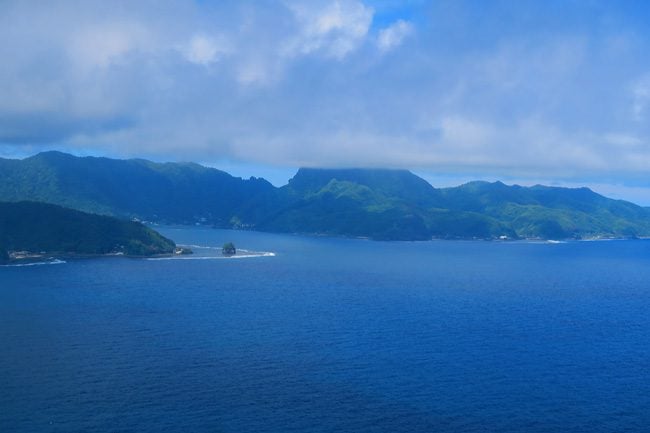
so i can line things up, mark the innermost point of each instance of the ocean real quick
(308, 334)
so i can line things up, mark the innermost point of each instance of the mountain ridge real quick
(390, 204)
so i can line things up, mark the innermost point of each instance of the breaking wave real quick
(45, 263)
(241, 254)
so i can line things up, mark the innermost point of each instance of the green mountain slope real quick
(373, 203)
(174, 192)
(551, 212)
(388, 183)
(41, 227)
(379, 204)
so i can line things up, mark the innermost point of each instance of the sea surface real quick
(309, 334)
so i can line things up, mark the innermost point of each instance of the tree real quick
(229, 249)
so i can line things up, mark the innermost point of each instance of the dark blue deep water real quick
(331, 335)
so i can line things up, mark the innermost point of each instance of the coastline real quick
(27, 257)
(433, 238)
(30, 258)
(592, 238)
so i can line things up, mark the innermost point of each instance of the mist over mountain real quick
(374, 203)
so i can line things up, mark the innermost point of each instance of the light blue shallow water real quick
(331, 335)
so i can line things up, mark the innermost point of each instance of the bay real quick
(309, 334)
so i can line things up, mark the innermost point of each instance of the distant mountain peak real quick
(51, 154)
(385, 179)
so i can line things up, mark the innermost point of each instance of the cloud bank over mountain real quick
(530, 90)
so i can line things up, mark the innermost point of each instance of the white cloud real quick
(641, 96)
(393, 35)
(103, 44)
(335, 28)
(622, 140)
(203, 50)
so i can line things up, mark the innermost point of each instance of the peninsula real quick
(29, 230)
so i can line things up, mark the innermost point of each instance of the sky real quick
(551, 92)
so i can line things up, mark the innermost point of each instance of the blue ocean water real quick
(331, 335)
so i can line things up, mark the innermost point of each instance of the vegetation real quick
(45, 228)
(174, 193)
(378, 204)
(229, 249)
(382, 204)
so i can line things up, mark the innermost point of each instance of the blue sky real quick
(553, 92)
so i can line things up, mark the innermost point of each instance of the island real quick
(31, 230)
(228, 249)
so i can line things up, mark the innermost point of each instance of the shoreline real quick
(18, 258)
(369, 238)
(592, 238)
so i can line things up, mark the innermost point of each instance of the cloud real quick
(335, 28)
(641, 97)
(529, 91)
(203, 50)
(102, 44)
(393, 35)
